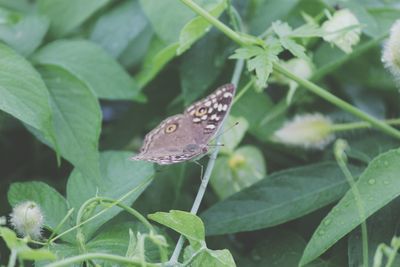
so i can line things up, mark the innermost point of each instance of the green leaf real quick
(176, 30)
(263, 116)
(66, 16)
(235, 129)
(243, 168)
(117, 28)
(381, 227)
(77, 119)
(23, 93)
(25, 34)
(281, 197)
(10, 237)
(213, 258)
(36, 254)
(92, 65)
(24, 252)
(197, 27)
(378, 185)
(185, 223)
(265, 12)
(52, 203)
(119, 176)
(158, 55)
(169, 17)
(202, 64)
(259, 59)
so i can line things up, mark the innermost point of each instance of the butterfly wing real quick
(185, 136)
(208, 114)
(167, 143)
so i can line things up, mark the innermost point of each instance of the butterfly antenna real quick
(223, 132)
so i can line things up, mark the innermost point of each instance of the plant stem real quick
(103, 256)
(341, 127)
(218, 24)
(241, 40)
(13, 258)
(338, 102)
(339, 151)
(100, 212)
(206, 177)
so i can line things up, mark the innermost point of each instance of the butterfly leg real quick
(201, 169)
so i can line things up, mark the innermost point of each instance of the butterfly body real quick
(186, 136)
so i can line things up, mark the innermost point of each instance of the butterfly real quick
(186, 136)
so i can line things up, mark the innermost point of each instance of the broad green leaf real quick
(243, 168)
(361, 148)
(114, 238)
(23, 93)
(263, 116)
(117, 28)
(185, 223)
(213, 258)
(233, 133)
(51, 202)
(281, 197)
(197, 27)
(77, 119)
(136, 50)
(169, 17)
(9, 237)
(19, 5)
(24, 252)
(286, 251)
(268, 11)
(66, 16)
(36, 254)
(62, 250)
(120, 178)
(92, 65)
(25, 34)
(173, 22)
(381, 228)
(202, 64)
(377, 185)
(158, 55)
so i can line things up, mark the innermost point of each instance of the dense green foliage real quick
(82, 82)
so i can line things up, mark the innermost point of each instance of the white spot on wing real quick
(225, 107)
(204, 117)
(210, 110)
(196, 120)
(227, 94)
(208, 103)
(210, 126)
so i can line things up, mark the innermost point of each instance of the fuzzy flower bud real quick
(27, 219)
(342, 30)
(391, 51)
(311, 131)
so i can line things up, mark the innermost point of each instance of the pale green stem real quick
(99, 213)
(13, 258)
(339, 151)
(341, 127)
(217, 24)
(101, 256)
(58, 227)
(205, 179)
(241, 40)
(131, 211)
